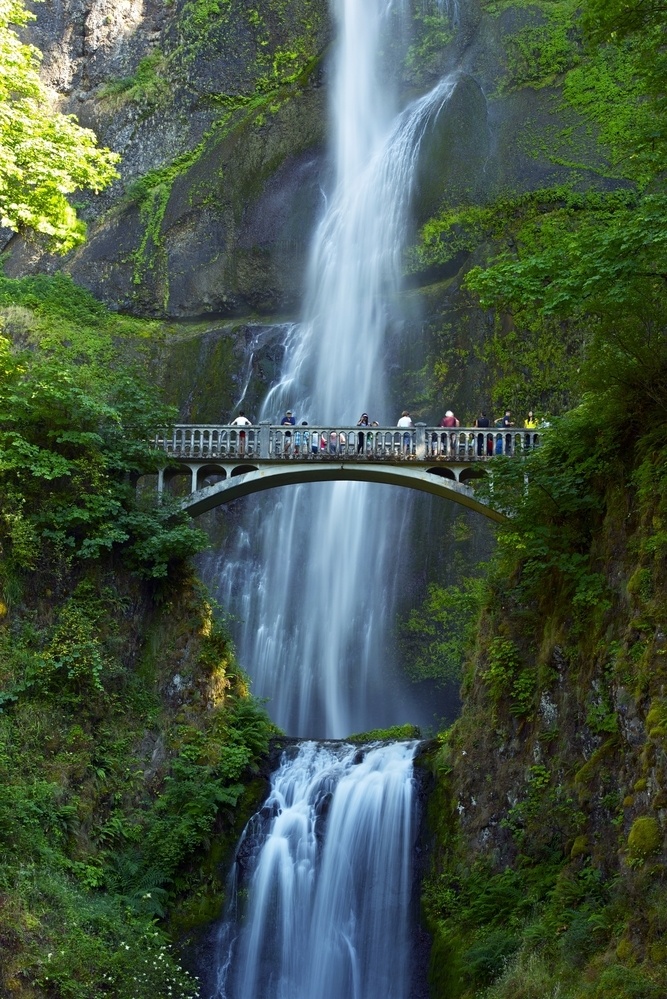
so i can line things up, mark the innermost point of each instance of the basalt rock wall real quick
(219, 109)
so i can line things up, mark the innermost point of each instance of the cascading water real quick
(319, 907)
(325, 915)
(316, 575)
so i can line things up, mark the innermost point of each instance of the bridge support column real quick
(160, 481)
(264, 439)
(420, 442)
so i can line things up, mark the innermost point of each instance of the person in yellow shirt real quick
(530, 423)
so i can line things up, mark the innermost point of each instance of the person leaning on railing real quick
(241, 421)
(406, 421)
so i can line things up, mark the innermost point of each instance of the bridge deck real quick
(227, 462)
(266, 443)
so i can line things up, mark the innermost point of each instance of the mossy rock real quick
(590, 770)
(624, 950)
(656, 720)
(580, 847)
(658, 952)
(398, 733)
(645, 837)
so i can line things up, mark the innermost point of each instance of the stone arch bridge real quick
(224, 463)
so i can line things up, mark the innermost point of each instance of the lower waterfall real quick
(319, 896)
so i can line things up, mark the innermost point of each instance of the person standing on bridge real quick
(288, 420)
(530, 423)
(406, 421)
(306, 437)
(483, 422)
(241, 421)
(506, 421)
(449, 420)
(362, 422)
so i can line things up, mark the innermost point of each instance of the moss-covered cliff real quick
(550, 811)
(129, 740)
(549, 818)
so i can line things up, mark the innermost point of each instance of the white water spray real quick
(327, 882)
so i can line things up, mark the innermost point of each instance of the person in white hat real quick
(449, 420)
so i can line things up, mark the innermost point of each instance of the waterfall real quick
(316, 574)
(323, 876)
(319, 899)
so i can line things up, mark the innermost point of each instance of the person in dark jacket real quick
(288, 420)
(362, 422)
(483, 421)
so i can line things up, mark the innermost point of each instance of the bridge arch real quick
(245, 480)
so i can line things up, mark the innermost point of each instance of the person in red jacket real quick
(449, 420)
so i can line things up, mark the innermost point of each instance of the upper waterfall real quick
(316, 586)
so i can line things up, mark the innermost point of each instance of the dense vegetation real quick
(76, 419)
(552, 786)
(44, 155)
(127, 733)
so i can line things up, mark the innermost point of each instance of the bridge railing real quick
(325, 443)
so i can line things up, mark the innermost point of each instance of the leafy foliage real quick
(101, 837)
(76, 418)
(437, 635)
(44, 155)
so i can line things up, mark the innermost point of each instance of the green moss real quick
(590, 770)
(656, 719)
(580, 847)
(538, 54)
(396, 733)
(645, 838)
(432, 34)
(148, 86)
(641, 583)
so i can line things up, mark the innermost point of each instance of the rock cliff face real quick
(550, 804)
(219, 111)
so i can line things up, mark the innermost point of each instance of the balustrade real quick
(325, 443)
